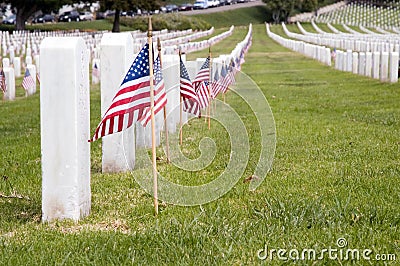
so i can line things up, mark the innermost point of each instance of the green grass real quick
(324, 27)
(237, 17)
(335, 174)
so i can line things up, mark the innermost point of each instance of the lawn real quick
(335, 175)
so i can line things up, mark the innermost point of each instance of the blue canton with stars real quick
(140, 67)
(157, 71)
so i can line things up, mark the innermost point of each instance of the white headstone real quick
(394, 67)
(28, 60)
(349, 60)
(6, 62)
(384, 67)
(37, 62)
(116, 54)
(355, 63)
(368, 64)
(65, 126)
(9, 75)
(17, 66)
(12, 53)
(375, 64)
(361, 64)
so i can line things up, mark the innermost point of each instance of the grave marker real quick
(65, 126)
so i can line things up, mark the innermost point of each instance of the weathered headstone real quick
(65, 126)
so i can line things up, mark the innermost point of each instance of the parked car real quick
(10, 20)
(200, 4)
(100, 15)
(171, 8)
(44, 18)
(129, 13)
(69, 16)
(85, 16)
(185, 7)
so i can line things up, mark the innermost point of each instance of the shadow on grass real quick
(16, 211)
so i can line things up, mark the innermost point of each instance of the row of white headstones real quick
(14, 46)
(364, 14)
(372, 55)
(65, 117)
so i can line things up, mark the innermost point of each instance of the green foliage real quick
(166, 21)
(128, 5)
(280, 9)
(25, 9)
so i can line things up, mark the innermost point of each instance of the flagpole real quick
(180, 110)
(165, 108)
(153, 122)
(209, 89)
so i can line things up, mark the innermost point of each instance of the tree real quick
(120, 5)
(280, 9)
(26, 8)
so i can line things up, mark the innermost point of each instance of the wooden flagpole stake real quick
(165, 108)
(209, 89)
(180, 111)
(153, 122)
(180, 122)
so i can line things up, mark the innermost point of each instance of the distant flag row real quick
(196, 95)
(132, 100)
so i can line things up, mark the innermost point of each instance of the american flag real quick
(3, 81)
(28, 82)
(95, 71)
(160, 97)
(225, 80)
(231, 74)
(132, 97)
(38, 77)
(203, 94)
(204, 73)
(214, 84)
(188, 94)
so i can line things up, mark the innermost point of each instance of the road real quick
(223, 8)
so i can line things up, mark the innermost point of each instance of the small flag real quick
(38, 77)
(203, 74)
(215, 85)
(3, 85)
(28, 82)
(160, 96)
(188, 94)
(95, 71)
(203, 94)
(130, 100)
